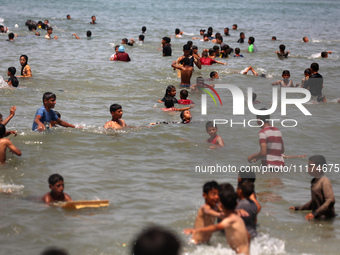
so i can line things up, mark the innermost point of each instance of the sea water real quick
(148, 173)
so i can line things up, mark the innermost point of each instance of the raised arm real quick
(10, 116)
(76, 36)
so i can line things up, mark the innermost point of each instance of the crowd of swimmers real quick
(232, 211)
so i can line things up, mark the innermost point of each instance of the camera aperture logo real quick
(239, 104)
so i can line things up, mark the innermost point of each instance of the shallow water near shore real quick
(149, 174)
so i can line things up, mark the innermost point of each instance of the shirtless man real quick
(6, 143)
(116, 122)
(186, 72)
(192, 59)
(233, 225)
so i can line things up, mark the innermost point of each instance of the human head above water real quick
(156, 240)
(185, 116)
(286, 73)
(213, 74)
(247, 188)
(54, 178)
(251, 40)
(208, 186)
(23, 60)
(12, 70)
(228, 197)
(88, 33)
(305, 39)
(210, 124)
(314, 67)
(115, 107)
(48, 95)
(184, 94)
(143, 29)
(282, 47)
(170, 90)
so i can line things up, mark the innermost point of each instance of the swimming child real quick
(215, 139)
(307, 74)
(205, 60)
(273, 38)
(10, 37)
(143, 30)
(178, 32)
(285, 82)
(214, 75)
(116, 122)
(233, 225)
(282, 54)
(45, 114)
(184, 97)
(93, 20)
(169, 92)
(56, 184)
(169, 105)
(6, 143)
(324, 54)
(88, 35)
(322, 202)
(207, 213)
(68, 16)
(141, 39)
(121, 55)
(235, 27)
(237, 53)
(49, 33)
(130, 43)
(252, 47)
(305, 39)
(25, 68)
(242, 176)
(186, 72)
(12, 81)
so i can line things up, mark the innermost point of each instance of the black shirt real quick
(167, 50)
(314, 84)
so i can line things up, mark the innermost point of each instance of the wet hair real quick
(314, 66)
(235, 25)
(186, 47)
(49, 28)
(22, 67)
(168, 102)
(88, 33)
(308, 71)
(228, 197)
(226, 186)
(285, 72)
(1, 26)
(274, 38)
(254, 96)
(318, 160)
(211, 51)
(247, 188)
(219, 38)
(184, 93)
(227, 28)
(48, 96)
(182, 115)
(166, 39)
(212, 74)
(216, 48)
(251, 39)
(32, 27)
(205, 35)
(168, 90)
(303, 38)
(225, 48)
(177, 31)
(194, 47)
(218, 35)
(241, 33)
(115, 107)
(210, 31)
(209, 186)
(116, 47)
(58, 114)
(204, 54)
(237, 51)
(247, 176)
(156, 240)
(282, 47)
(185, 61)
(10, 36)
(12, 70)
(54, 178)
(143, 29)
(2, 130)
(324, 54)
(54, 251)
(264, 118)
(141, 37)
(93, 16)
(190, 43)
(209, 124)
(124, 40)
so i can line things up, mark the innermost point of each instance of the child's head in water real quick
(273, 38)
(156, 240)
(183, 94)
(211, 129)
(251, 40)
(185, 116)
(245, 189)
(285, 75)
(305, 39)
(169, 102)
(11, 71)
(307, 72)
(116, 111)
(210, 193)
(56, 184)
(170, 91)
(214, 75)
(143, 29)
(237, 51)
(228, 197)
(282, 47)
